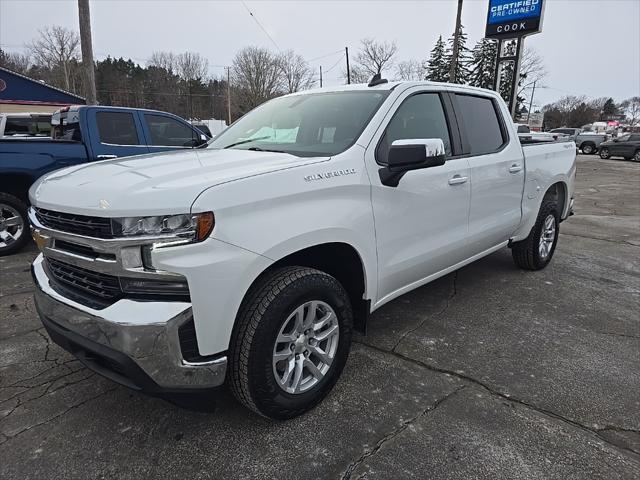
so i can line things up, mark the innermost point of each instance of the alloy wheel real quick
(305, 347)
(11, 225)
(547, 237)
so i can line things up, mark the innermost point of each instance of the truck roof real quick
(392, 85)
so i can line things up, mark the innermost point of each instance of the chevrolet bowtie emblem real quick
(103, 204)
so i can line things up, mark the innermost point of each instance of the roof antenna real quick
(377, 80)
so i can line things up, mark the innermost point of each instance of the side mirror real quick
(411, 154)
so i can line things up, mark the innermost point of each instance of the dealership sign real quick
(514, 18)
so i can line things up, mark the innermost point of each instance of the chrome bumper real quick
(140, 338)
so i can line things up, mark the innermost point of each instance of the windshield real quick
(308, 125)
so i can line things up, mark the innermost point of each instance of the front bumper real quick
(134, 343)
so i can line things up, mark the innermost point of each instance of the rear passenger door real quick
(165, 132)
(496, 166)
(116, 133)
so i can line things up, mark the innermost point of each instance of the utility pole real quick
(228, 95)
(533, 92)
(346, 53)
(320, 76)
(87, 51)
(456, 44)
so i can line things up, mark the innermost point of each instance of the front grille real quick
(79, 224)
(98, 285)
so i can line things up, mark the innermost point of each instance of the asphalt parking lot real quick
(490, 372)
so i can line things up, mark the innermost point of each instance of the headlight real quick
(188, 227)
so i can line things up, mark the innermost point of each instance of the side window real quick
(117, 128)
(482, 124)
(420, 116)
(168, 132)
(635, 138)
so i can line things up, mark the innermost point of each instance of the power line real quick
(325, 56)
(260, 25)
(333, 66)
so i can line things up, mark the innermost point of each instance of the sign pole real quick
(513, 98)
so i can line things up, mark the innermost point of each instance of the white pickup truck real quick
(252, 260)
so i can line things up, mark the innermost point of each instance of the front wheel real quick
(290, 343)
(588, 149)
(604, 153)
(636, 156)
(535, 251)
(14, 226)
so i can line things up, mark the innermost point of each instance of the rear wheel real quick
(636, 156)
(291, 341)
(535, 251)
(14, 226)
(588, 148)
(604, 153)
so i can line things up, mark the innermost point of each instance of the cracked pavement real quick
(490, 372)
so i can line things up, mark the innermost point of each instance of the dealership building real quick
(19, 93)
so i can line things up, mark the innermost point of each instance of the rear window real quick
(482, 124)
(117, 128)
(28, 126)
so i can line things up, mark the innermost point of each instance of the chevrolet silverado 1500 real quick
(254, 259)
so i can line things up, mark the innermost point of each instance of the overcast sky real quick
(589, 47)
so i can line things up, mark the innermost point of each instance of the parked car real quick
(203, 127)
(626, 146)
(254, 259)
(525, 133)
(589, 142)
(32, 125)
(571, 133)
(80, 134)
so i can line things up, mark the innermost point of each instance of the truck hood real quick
(154, 184)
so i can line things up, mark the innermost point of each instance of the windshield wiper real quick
(258, 149)
(246, 141)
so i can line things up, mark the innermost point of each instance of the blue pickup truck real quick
(80, 134)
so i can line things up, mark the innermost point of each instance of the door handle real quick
(106, 157)
(457, 180)
(515, 168)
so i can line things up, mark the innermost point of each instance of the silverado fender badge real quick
(325, 175)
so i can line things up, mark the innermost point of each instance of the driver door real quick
(421, 224)
(165, 132)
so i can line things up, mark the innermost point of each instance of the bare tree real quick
(16, 62)
(410, 70)
(373, 57)
(631, 108)
(192, 66)
(56, 47)
(295, 71)
(166, 60)
(255, 76)
(531, 72)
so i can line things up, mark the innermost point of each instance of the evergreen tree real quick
(483, 63)
(609, 110)
(461, 74)
(437, 66)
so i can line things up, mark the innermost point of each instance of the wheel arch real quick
(559, 193)
(16, 184)
(342, 261)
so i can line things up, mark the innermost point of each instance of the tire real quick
(636, 156)
(588, 148)
(260, 381)
(528, 254)
(604, 153)
(14, 224)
